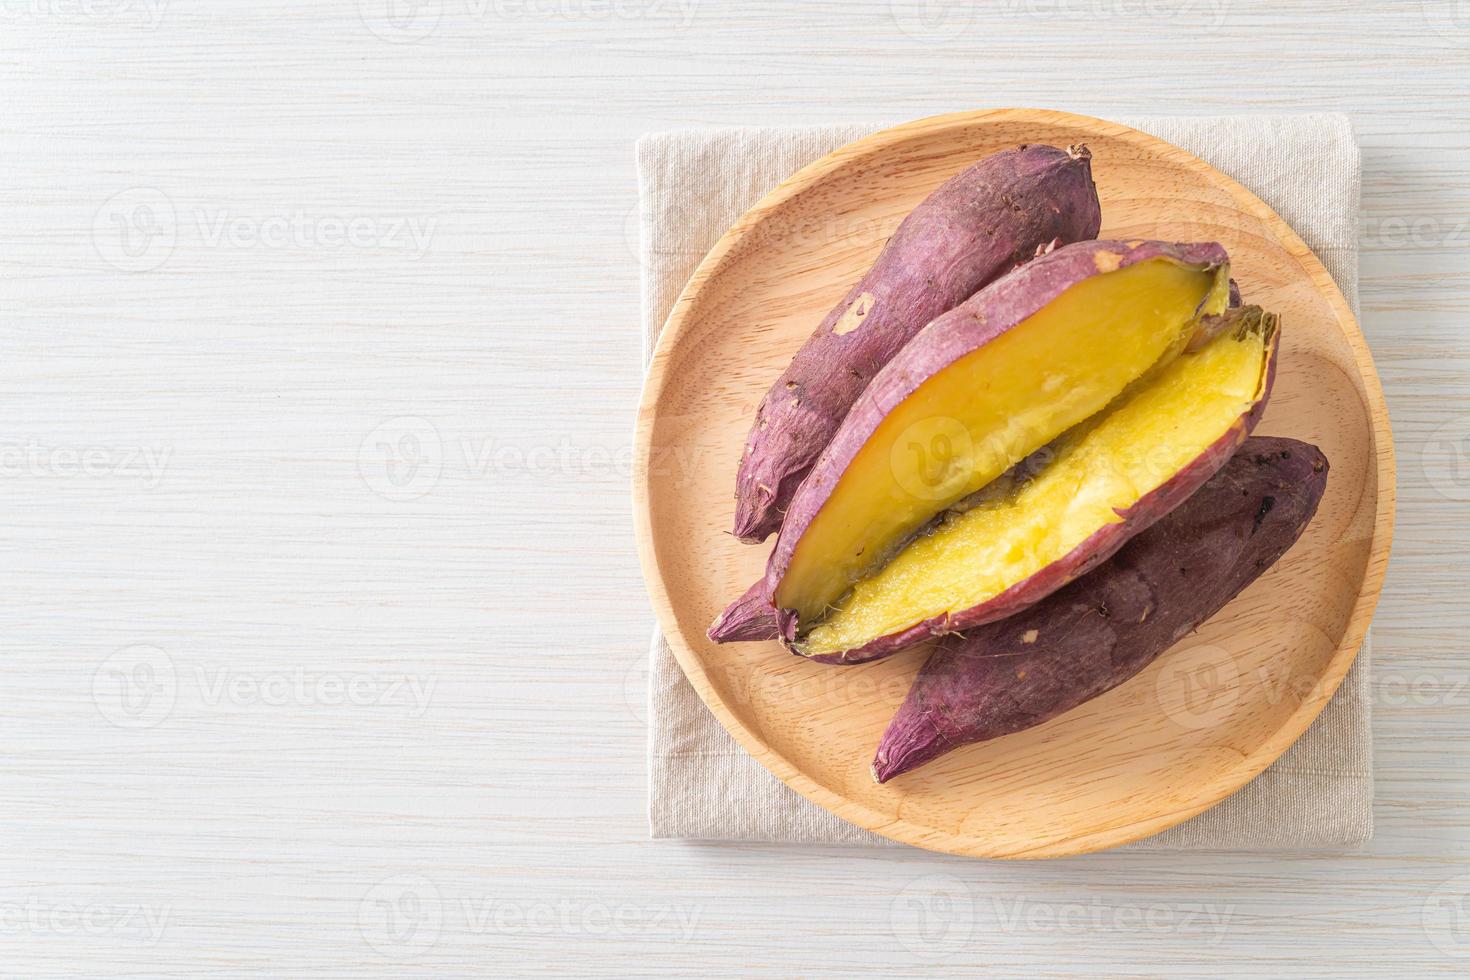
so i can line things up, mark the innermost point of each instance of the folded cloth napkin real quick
(693, 185)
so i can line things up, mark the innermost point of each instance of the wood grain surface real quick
(497, 826)
(1123, 766)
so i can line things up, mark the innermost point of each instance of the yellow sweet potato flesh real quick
(976, 418)
(1105, 466)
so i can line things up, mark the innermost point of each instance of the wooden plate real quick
(1178, 738)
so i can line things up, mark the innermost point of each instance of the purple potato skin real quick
(986, 315)
(1103, 629)
(748, 618)
(976, 227)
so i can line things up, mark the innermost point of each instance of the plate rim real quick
(1208, 794)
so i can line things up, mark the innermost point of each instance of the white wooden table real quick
(272, 707)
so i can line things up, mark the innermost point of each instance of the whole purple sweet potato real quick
(974, 228)
(1102, 629)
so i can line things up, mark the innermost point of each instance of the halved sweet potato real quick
(979, 389)
(1070, 508)
(1101, 630)
(976, 226)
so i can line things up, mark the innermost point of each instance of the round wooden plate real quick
(1181, 736)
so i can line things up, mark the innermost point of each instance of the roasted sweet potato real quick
(975, 227)
(1099, 485)
(1102, 629)
(752, 617)
(984, 386)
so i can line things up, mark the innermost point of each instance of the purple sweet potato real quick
(753, 616)
(1136, 482)
(974, 228)
(1080, 326)
(1102, 629)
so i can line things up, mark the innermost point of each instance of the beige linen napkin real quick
(693, 185)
